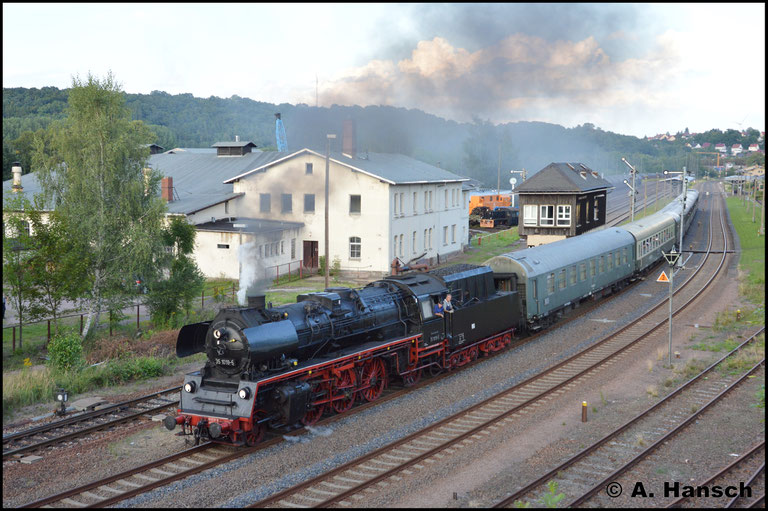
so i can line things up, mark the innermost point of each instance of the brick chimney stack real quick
(167, 189)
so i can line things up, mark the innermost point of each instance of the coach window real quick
(610, 261)
(601, 265)
(573, 274)
(561, 279)
(550, 283)
(583, 272)
(624, 255)
(618, 258)
(591, 267)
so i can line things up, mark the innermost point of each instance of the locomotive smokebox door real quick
(291, 399)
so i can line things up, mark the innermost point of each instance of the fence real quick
(218, 292)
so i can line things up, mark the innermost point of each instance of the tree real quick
(92, 171)
(184, 280)
(17, 253)
(58, 271)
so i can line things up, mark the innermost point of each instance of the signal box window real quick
(547, 215)
(530, 215)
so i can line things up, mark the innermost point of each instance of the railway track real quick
(57, 432)
(748, 468)
(593, 472)
(344, 484)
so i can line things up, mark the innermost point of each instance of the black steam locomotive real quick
(270, 367)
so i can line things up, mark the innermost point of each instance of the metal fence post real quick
(49, 333)
(137, 317)
(81, 324)
(13, 349)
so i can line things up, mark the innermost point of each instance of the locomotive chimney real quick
(349, 139)
(257, 301)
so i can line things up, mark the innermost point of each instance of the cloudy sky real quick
(635, 69)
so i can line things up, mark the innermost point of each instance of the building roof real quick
(396, 169)
(236, 143)
(248, 225)
(199, 177)
(566, 178)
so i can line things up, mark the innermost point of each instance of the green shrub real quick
(66, 351)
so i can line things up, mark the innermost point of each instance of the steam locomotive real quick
(273, 367)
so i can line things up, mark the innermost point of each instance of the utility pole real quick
(645, 196)
(762, 212)
(631, 189)
(754, 199)
(329, 136)
(498, 177)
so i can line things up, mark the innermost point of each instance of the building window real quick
(426, 240)
(413, 242)
(530, 216)
(446, 198)
(264, 202)
(596, 212)
(226, 208)
(445, 235)
(308, 168)
(287, 200)
(309, 203)
(426, 202)
(222, 245)
(402, 198)
(394, 210)
(564, 216)
(415, 201)
(355, 247)
(401, 245)
(547, 215)
(293, 248)
(430, 237)
(430, 200)
(354, 204)
(453, 233)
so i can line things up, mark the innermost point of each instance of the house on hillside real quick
(736, 149)
(754, 148)
(721, 148)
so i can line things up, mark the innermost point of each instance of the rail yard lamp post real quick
(329, 136)
(632, 192)
(682, 212)
(513, 181)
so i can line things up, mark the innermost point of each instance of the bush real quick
(66, 351)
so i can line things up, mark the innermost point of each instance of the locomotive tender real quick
(270, 367)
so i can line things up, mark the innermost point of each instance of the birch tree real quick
(91, 166)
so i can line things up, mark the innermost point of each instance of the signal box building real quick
(560, 201)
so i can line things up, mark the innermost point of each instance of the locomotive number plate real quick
(225, 362)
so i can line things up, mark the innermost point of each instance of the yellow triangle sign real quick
(662, 277)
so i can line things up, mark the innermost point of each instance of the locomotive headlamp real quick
(244, 393)
(190, 387)
(217, 333)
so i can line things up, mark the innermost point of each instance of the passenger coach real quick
(551, 277)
